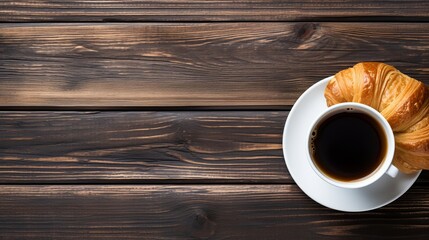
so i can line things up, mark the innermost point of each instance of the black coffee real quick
(348, 146)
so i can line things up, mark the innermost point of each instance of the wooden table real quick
(163, 119)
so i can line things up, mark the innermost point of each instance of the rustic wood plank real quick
(185, 64)
(143, 147)
(200, 212)
(201, 146)
(214, 10)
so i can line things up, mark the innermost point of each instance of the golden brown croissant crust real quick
(402, 100)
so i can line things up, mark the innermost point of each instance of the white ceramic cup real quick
(385, 167)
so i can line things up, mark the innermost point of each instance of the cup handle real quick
(392, 171)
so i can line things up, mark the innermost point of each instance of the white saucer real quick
(306, 109)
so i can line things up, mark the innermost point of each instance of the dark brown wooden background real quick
(163, 119)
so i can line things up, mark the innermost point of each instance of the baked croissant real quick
(402, 100)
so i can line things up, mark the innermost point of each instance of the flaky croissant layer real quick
(402, 100)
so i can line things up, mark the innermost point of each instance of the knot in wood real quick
(202, 225)
(304, 31)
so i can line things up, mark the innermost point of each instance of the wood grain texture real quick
(185, 64)
(213, 10)
(88, 147)
(198, 212)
